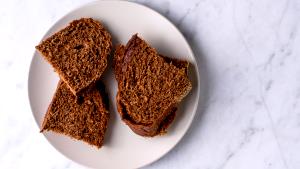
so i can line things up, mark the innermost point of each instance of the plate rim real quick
(197, 73)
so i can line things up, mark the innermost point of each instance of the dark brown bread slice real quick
(150, 86)
(84, 120)
(78, 53)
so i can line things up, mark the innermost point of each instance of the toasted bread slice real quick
(78, 53)
(85, 119)
(150, 86)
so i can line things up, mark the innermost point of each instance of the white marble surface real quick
(249, 59)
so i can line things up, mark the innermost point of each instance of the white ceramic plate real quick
(122, 148)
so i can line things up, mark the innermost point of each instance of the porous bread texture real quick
(150, 86)
(85, 120)
(78, 53)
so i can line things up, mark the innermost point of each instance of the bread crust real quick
(147, 130)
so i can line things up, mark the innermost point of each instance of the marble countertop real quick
(249, 59)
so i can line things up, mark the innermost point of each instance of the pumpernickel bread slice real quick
(85, 119)
(78, 53)
(150, 87)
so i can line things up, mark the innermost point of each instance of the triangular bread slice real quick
(150, 86)
(85, 119)
(78, 53)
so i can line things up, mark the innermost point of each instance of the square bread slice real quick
(85, 119)
(78, 53)
(150, 86)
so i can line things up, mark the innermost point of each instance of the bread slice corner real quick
(85, 119)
